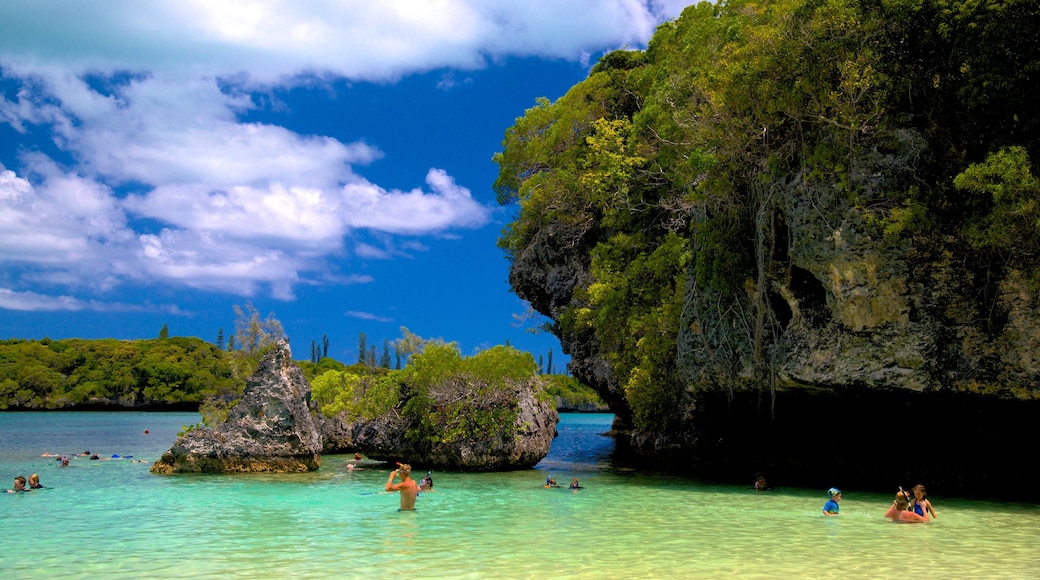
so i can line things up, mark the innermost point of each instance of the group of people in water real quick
(20, 483)
(550, 482)
(906, 509)
(64, 458)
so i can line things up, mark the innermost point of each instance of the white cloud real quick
(33, 302)
(69, 226)
(366, 205)
(367, 316)
(153, 94)
(276, 39)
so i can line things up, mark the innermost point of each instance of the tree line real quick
(180, 372)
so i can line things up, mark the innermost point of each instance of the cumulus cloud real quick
(161, 180)
(272, 40)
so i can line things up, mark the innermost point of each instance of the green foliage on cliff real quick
(569, 393)
(56, 374)
(668, 171)
(445, 397)
(1005, 184)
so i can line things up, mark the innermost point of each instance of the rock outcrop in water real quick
(273, 428)
(520, 444)
(750, 289)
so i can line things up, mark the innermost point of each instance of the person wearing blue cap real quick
(831, 507)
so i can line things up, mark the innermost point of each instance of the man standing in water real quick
(407, 487)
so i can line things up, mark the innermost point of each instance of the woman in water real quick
(900, 511)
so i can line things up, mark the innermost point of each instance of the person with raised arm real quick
(407, 487)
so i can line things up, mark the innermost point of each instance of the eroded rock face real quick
(520, 445)
(871, 339)
(274, 428)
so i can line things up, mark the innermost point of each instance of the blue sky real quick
(329, 163)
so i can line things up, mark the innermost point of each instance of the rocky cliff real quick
(521, 443)
(887, 360)
(273, 428)
(762, 249)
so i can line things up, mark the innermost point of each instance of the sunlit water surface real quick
(114, 519)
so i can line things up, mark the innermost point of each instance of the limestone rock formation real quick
(273, 428)
(875, 340)
(519, 445)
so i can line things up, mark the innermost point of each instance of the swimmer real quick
(34, 482)
(574, 484)
(549, 481)
(19, 484)
(64, 460)
(920, 503)
(409, 490)
(426, 483)
(831, 507)
(900, 510)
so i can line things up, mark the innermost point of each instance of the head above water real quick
(404, 469)
(833, 492)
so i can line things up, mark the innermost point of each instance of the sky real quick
(328, 163)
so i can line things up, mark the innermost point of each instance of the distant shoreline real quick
(114, 407)
(193, 408)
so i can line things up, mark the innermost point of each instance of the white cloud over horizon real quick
(33, 302)
(151, 96)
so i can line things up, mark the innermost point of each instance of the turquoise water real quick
(114, 519)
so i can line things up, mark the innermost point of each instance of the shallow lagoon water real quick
(114, 519)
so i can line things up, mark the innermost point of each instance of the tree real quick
(254, 334)
(1006, 185)
(384, 360)
(164, 332)
(220, 339)
(362, 348)
(324, 345)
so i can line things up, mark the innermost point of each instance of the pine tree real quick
(324, 346)
(220, 339)
(164, 332)
(384, 361)
(362, 348)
